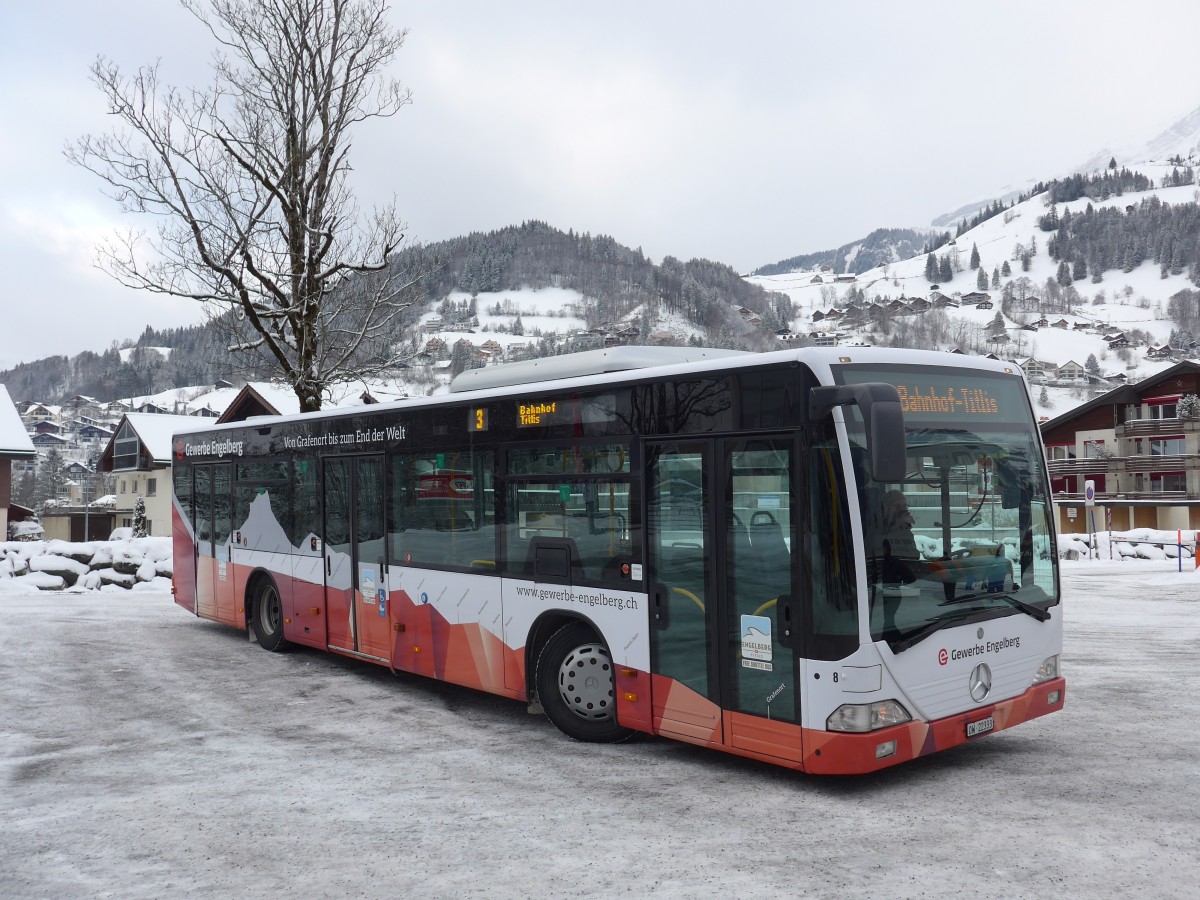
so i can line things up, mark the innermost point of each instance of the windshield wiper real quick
(1028, 608)
(914, 637)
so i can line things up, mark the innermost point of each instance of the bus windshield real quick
(966, 535)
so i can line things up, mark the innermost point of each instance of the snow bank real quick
(93, 565)
(1139, 543)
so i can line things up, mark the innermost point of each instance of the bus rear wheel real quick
(267, 617)
(576, 687)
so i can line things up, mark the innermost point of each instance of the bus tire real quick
(576, 686)
(267, 617)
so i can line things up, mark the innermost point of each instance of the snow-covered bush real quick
(79, 566)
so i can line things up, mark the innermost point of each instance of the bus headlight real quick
(1047, 670)
(862, 717)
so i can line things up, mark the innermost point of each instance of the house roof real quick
(154, 432)
(14, 439)
(248, 402)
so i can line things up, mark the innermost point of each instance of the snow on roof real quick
(155, 431)
(14, 440)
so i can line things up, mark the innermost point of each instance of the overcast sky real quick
(744, 133)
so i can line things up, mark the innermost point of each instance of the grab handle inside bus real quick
(882, 418)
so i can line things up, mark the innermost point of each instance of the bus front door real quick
(355, 562)
(685, 693)
(760, 625)
(720, 537)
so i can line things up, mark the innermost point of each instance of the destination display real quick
(915, 398)
(531, 413)
(948, 394)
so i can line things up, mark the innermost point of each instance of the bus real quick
(833, 560)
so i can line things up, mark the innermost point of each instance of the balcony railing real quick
(1152, 427)
(1116, 465)
(1112, 497)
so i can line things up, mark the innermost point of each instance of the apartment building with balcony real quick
(1143, 456)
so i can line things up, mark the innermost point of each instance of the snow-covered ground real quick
(145, 753)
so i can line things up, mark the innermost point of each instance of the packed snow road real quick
(149, 754)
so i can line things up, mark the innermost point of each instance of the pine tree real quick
(995, 279)
(1006, 270)
(139, 518)
(974, 256)
(1092, 365)
(981, 280)
(49, 477)
(1064, 273)
(931, 269)
(946, 270)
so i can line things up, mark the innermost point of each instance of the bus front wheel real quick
(576, 687)
(267, 617)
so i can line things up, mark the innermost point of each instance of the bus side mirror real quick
(882, 417)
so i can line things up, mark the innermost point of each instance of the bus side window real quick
(441, 511)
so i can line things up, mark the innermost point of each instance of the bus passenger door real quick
(685, 694)
(760, 614)
(352, 488)
(206, 563)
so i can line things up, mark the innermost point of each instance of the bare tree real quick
(248, 181)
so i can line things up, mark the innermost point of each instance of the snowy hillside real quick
(1119, 302)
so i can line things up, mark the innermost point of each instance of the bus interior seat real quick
(768, 562)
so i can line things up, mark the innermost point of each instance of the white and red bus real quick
(831, 560)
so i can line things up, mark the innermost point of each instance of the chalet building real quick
(1070, 371)
(47, 441)
(1143, 457)
(977, 298)
(248, 402)
(984, 304)
(139, 456)
(1033, 368)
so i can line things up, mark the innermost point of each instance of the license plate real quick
(983, 726)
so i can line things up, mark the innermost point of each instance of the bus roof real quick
(588, 362)
(821, 359)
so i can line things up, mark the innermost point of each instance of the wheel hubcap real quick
(585, 682)
(270, 612)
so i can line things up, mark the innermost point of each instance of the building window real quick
(1163, 410)
(1175, 481)
(122, 487)
(1170, 446)
(125, 448)
(151, 486)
